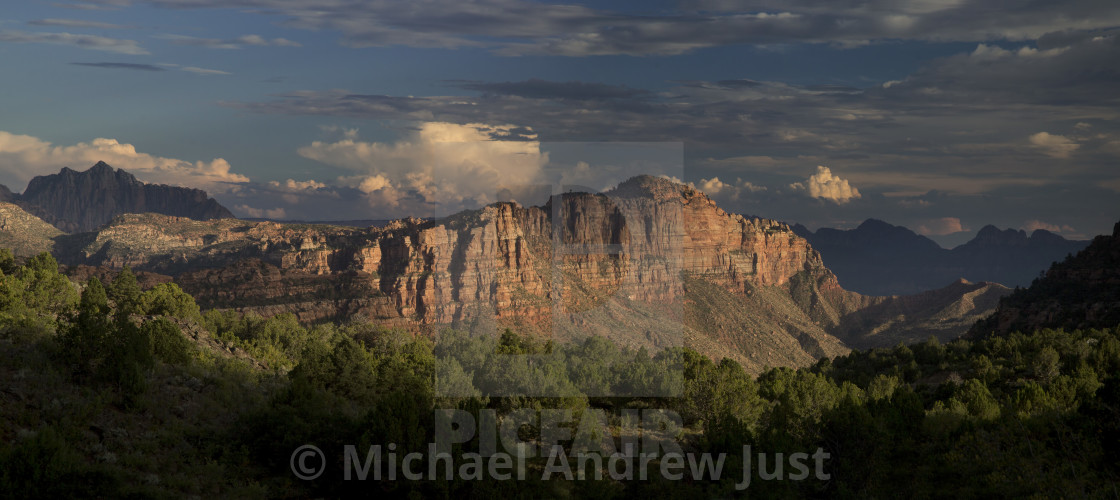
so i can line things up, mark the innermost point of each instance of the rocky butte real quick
(650, 263)
(82, 201)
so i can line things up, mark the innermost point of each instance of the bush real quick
(45, 466)
(168, 342)
(167, 299)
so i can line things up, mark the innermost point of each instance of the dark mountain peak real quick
(988, 231)
(801, 231)
(877, 225)
(992, 235)
(881, 229)
(1078, 292)
(82, 201)
(879, 258)
(901, 235)
(102, 168)
(1042, 236)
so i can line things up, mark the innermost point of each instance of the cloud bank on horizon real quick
(942, 115)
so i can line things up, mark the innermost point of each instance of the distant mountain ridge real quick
(1082, 291)
(76, 201)
(878, 258)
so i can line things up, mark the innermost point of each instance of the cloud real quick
(118, 65)
(151, 67)
(105, 5)
(439, 166)
(230, 43)
(718, 189)
(941, 226)
(204, 71)
(23, 157)
(522, 27)
(827, 186)
(969, 139)
(294, 185)
(1034, 225)
(1055, 146)
(260, 213)
(76, 23)
(91, 42)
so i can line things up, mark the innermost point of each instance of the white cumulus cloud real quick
(1053, 145)
(444, 165)
(727, 190)
(825, 185)
(23, 157)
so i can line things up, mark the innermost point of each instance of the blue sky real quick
(941, 115)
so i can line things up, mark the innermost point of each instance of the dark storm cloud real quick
(520, 27)
(1084, 72)
(989, 125)
(118, 65)
(987, 102)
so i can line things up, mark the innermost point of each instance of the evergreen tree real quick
(125, 293)
(84, 341)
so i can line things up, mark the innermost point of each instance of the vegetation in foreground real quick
(114, 391)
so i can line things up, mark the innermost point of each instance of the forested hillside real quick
(114, 391)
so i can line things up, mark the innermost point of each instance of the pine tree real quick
(125, 293)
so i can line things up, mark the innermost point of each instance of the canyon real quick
(650, 264)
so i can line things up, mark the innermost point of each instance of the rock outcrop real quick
(23, 233)
(82, 201)
(650, 264)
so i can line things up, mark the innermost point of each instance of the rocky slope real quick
(943, 313)
(82, 201)
(650, 264)
(23, 233)
(1082, 291)
(878, 258)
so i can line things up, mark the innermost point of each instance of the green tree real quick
(46, 466)
(129, 357)
(7, 261)
(167, 299)
(125, 293)
(1046, 364)
(168, 342)
(47, 290)
(85, 340)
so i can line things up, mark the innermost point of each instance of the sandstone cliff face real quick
(650, 264)
(622, 263)
(82, 201)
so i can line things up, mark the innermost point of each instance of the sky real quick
(939, 115)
